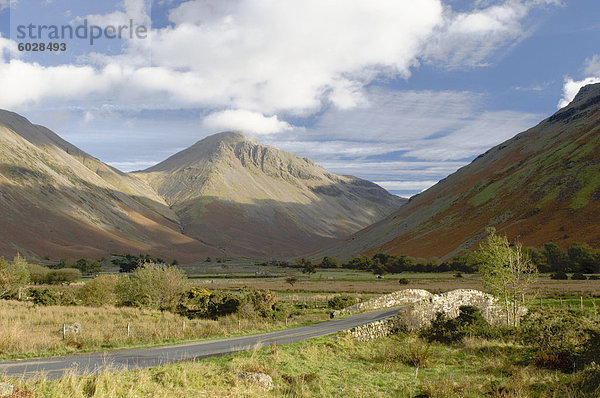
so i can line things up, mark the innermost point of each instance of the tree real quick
(13, 275)
(556, 258)
(307, 266)
(291, 280)
(88, 267)
(507, 271)
(583, 258)
(329, 262)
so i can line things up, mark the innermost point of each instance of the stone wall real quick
(421, 312)
(401, 297)
(374, 330)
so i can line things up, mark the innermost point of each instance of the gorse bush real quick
(247, 302)
(53, 296)
(341, 302)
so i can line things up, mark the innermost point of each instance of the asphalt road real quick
(55, 367)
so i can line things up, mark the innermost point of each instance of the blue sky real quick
(400, 92)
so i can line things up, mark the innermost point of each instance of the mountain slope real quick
(61, 202)
(542, 185)
(232, 192)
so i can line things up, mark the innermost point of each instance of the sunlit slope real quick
(234, 193)
(542, 185)
(59, 201)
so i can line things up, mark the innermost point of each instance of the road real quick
(55, 367)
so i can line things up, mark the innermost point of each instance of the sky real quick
(400, 92)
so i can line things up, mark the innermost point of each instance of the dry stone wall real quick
(374, 330)
(401, 297)
(423, 309)
(420, 314)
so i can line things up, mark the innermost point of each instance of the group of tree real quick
(129, 262)
(17, 273)
(579, 258)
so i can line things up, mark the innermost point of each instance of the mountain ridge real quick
(541, 185)
(60, 201)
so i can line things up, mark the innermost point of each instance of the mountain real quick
(241, 196)
(225, 195)
(58, 201)
(542, 185)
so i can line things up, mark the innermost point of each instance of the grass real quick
(399, 366)
(29, 330)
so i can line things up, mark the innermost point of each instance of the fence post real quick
(128, 329)
(64, 330)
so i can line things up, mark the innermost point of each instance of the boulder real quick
(262, 380)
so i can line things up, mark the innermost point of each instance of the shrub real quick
(13, 275)
(403, 281)
(588, 380)
(341, 302)
(63, 275)
(594, 277)
(53, 296)
(100, 291)
(38, 273)
(578, 277)
(560, 275)
(562, 337)
(152, 286)
(469, 322)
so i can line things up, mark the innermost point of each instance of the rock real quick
(74, 328)
(262, 380)
(6, 389)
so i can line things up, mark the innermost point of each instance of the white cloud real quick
(246, 121)
(571, 87)
(4, 4)
(281, 57)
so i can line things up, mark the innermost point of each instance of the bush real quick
(588, 380)
(63, 275)
(560, 275)
(13, 275)
(469, 322)
(153, 286)
(38, 273)
(341, 302)
(53, 296)
(578, 277)
(247, 302)
(594, 277)
(100, 291)
(562, 338)
(403, 281)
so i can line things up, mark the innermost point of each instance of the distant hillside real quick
(59, 201)
(234, 193)
(542, 185)
(226, 195)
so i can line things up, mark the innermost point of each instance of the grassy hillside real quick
(542, 185)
